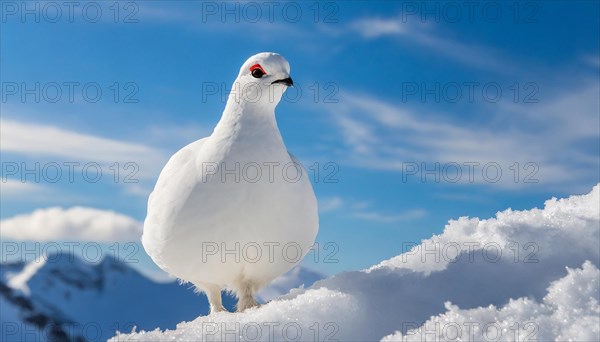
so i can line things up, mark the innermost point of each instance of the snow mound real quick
(282, 320)
(516, 261)
(569, 312)
(523, 236)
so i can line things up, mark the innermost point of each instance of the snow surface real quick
(510, 270)
(569, 312)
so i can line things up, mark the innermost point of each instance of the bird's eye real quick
(257, 71)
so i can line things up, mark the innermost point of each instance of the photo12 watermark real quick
(269, 331)
(39, 327)
(51, 12)
(471, 12)
(70, 92)
(469, 92)
(251, 12)
(69, 171)
(471, 331)
(267, 252)
(316, 92)
(70, 251)
(470, 251)
(268, 172)
(470, 172)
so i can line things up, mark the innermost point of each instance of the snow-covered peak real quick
(67, 271)
(18, 281)
(104, 296)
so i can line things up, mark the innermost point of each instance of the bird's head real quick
(262, 80)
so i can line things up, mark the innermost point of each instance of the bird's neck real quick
(248, 123)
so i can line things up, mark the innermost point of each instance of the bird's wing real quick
(174, 185)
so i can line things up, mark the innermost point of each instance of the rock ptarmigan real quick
(235, 210)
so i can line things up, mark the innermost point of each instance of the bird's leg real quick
(245, 299)
(213, 293)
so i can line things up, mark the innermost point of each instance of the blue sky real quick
(387, 89)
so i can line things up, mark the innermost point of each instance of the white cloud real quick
(73, 224)
(377, 27)
(517, 262)
(32, 139)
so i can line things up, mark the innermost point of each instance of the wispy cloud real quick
(200, 17)
(377, 27)
(176, 134)
(35, 140)
(391, 218)
(386, 135)
(429, 36)
(330, 204)
(12, 188)
(365, 210)
(15, 191)
(592, 60)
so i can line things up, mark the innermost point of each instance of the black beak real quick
(287, 81)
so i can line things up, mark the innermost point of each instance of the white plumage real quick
(235, 210)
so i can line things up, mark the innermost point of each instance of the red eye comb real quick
(257, 66)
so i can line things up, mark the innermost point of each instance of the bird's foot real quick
(216, 309)
(246, 303)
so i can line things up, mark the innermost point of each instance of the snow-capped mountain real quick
(62, 297)
(22, 319)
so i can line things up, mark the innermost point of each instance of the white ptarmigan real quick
(235, 210)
